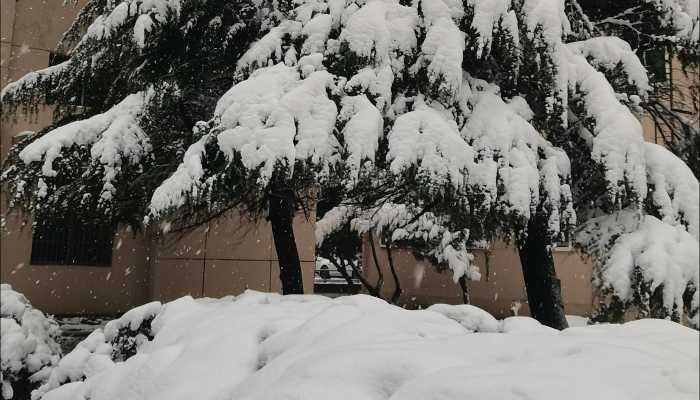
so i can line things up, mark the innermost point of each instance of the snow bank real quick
(267, 346)
(28, 350)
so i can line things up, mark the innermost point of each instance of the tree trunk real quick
(282, 207)
(465, 289)
(543, 286)
(380, 280)
(397, 285)
(341, 269)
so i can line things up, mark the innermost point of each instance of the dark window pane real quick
(71, 243)
(655, 62)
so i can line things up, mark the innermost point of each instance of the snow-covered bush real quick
(119, 341)
(28, 347)
(265, 346)
(131, 330)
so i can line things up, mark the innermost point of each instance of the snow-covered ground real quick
(266, 346)
(75, 329)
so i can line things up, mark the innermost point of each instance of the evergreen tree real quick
(445, 125)
(656, 30)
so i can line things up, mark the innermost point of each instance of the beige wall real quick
(684, 100)
(501, 285)
(224, 257)
(30, 29)
(73, 289)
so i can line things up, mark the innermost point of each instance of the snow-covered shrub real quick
(119, 341)
(131, 330)
(28, 347)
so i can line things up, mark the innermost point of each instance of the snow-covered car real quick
(327, 273)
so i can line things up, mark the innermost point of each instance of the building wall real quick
(223, 257)
(226, 256)
(500, 291)
(74, 289)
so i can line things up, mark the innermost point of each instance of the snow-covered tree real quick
(140, 75)
(143, 73)
(446, 124)
(655, 29)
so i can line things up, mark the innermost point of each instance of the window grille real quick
(71, 243)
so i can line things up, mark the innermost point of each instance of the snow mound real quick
(28, 347)
(473, 318)
(267, 346)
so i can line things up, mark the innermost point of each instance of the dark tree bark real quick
(465, 289)
(341, 269)
(380, 280)
(397, 285)
(282, 207)
(543, 286)
(371, 289)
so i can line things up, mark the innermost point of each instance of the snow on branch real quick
(637, 254)
(549, 16)
(513, 156)
(428, 139)
(607, 52)
(617, 142)
(443, 47)
(31, 84)
(379, 28)
(487, 15)
(362, 131)
(267, 121)
(276, 117)
(115, 138)
(268, 48)
(332, 221)
(426, 233)
(185, 181)
(28, 341)
(674, 189)
(682, 15)
(147, 13)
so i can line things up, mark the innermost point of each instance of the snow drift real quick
(267, 346)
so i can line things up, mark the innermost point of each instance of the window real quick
(655, 62)
(71, 243)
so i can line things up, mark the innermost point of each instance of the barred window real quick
(656, 62)
(71, 243)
